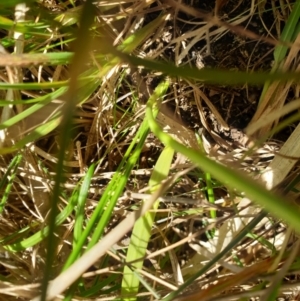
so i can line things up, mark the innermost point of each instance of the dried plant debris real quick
(189, 229)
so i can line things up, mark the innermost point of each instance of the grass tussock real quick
(149, 150)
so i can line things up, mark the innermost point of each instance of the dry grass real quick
(191, 226)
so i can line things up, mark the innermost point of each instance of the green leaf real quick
(288, 32)
(141, 232)
(213, 76)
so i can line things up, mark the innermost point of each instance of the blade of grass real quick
(141, 232)
(42, 101)
(209, 186)
(34, 86)
(9, 177)
(82, 46)
(79, 219)
(214, 76)
(287, 34)
(210, 194)
(280, 51)
(79, 216)
(41, 131)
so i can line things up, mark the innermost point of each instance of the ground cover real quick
(149, 150)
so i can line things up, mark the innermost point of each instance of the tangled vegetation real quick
(149, 150)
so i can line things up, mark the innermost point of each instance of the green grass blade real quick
(14, 162)
(82, 46)
(287, 34)
(9, 177)
(210, 194)
(209, 185)
(142, 229)
(79, 220)
(33, 86)
(41, 131)
(213, 76)
(42, 101)
(280, 51)
(79, 217)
